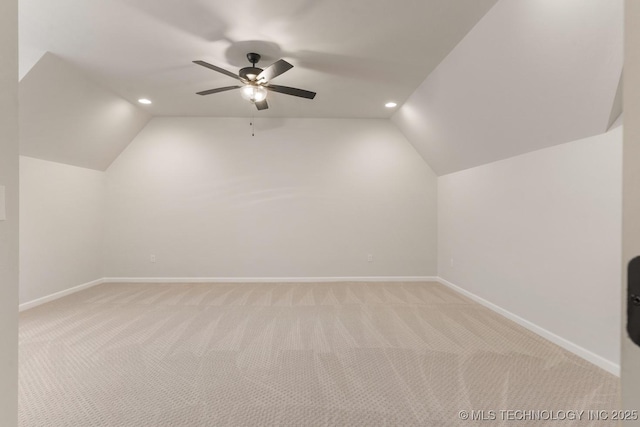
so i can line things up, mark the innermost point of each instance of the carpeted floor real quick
(339, 354)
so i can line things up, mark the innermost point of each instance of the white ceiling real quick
(473, 86)
(355, 54)
(65, 117)
(531, 74)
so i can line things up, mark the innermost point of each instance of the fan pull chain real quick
(253, 126)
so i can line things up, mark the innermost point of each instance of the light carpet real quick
(303, 354)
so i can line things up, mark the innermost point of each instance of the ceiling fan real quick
(256, 81)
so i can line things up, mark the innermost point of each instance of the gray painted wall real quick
(631, 200)
(9, 228)
(304, 197)
(61, 227)
(539, 236)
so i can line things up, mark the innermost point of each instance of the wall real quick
(539, 235)
(631, 201)
(304, 197)
(9, 228)
(61, 227)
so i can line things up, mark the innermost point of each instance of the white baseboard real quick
(269, 279)
(587, 355)
(55, 296)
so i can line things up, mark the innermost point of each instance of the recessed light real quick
(390, 105)
(144, 101)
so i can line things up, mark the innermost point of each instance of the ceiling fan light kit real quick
(256, 81)
(254, 93)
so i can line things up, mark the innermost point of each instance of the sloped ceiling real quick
(66, 117)
(530, 74)
(356, 54)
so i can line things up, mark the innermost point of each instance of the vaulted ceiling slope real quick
(66, 117)
(355, 54)
(530, 74)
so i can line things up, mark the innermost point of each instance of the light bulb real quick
(254, 93)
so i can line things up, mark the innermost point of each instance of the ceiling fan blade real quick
(218, 69)
(220, 89)
(292, 91)
(274, 70)
(262, 105)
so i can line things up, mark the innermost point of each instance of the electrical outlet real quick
(369, 258)
(152, 258)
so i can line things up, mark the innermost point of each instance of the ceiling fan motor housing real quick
(250, 73)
